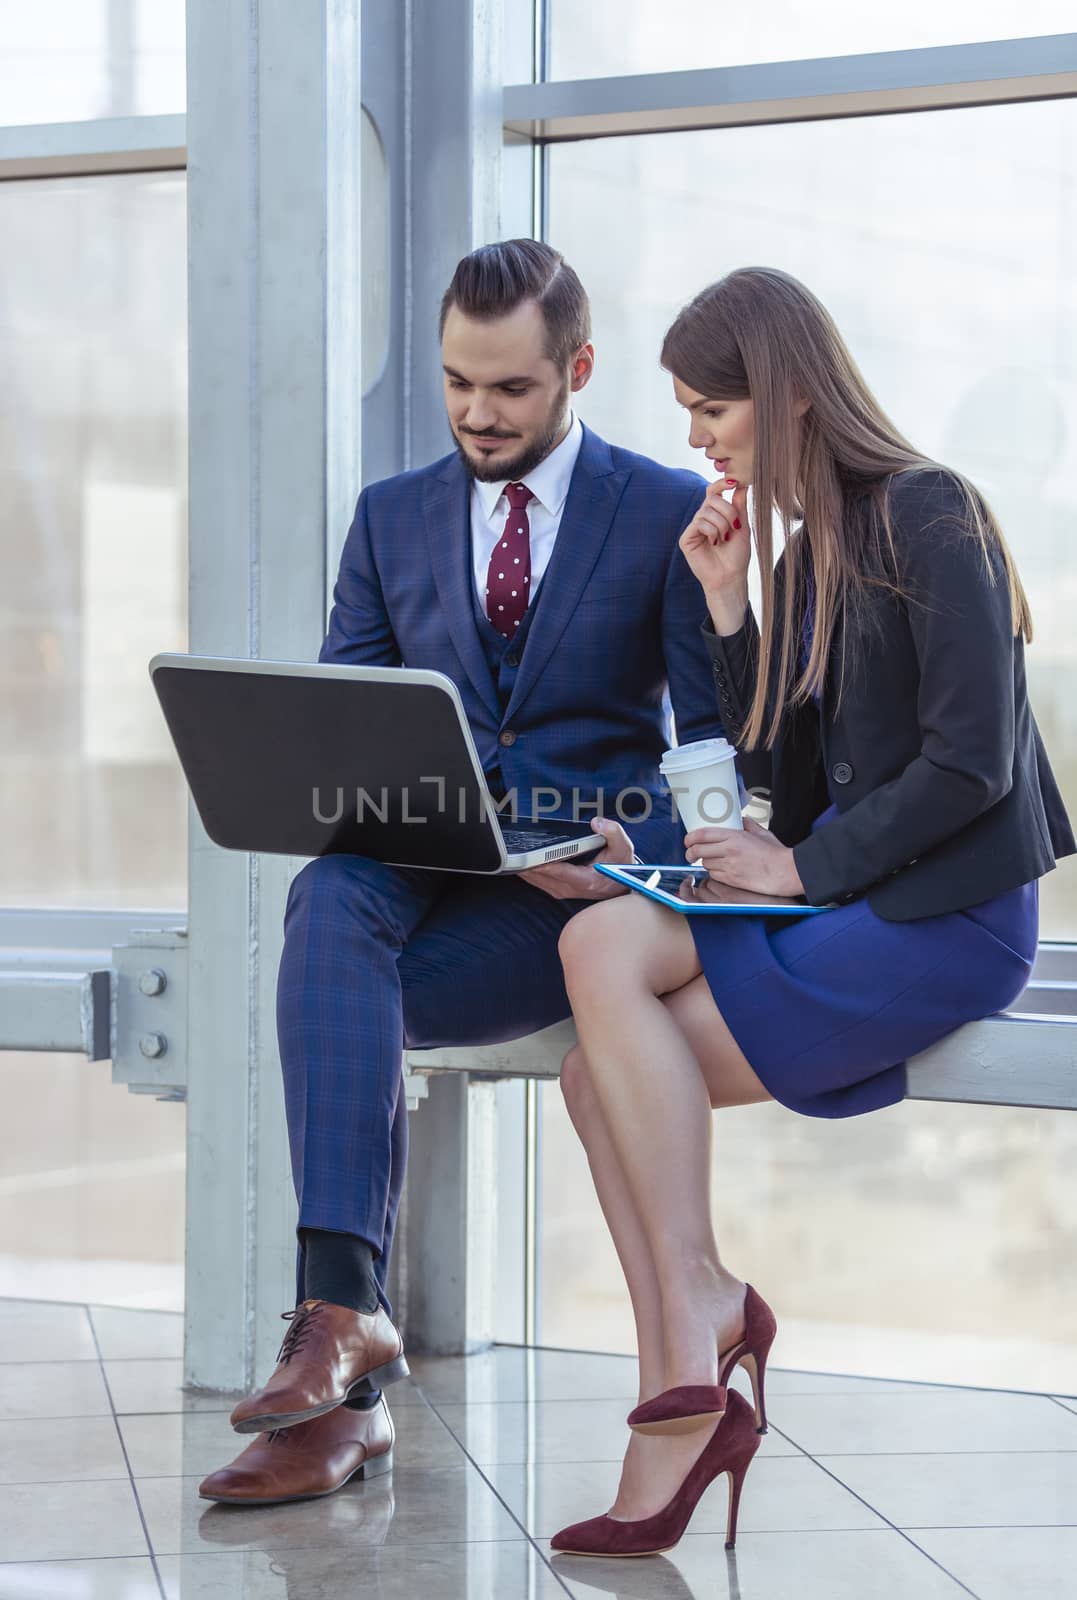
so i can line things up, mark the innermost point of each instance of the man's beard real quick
(517, 467)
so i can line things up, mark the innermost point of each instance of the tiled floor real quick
(862, 1487)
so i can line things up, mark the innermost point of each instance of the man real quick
(537, 566)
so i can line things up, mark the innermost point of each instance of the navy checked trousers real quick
(377, 958)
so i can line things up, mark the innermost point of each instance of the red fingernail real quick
(736, 522)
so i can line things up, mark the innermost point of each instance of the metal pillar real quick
(460, 52)
(273, 139)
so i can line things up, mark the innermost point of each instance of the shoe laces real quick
(302, 1319)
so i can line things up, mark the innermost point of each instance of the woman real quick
(881, 703)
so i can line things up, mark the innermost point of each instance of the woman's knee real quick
(590, 941)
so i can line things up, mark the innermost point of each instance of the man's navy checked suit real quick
(379, 957)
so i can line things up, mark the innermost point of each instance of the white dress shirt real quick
(548, 483)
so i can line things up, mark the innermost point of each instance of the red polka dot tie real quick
(509, 576)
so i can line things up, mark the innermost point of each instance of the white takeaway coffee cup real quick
(703, 779)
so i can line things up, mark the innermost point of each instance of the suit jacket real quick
(615, 620)
(933, 758)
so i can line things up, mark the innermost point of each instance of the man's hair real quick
(496, 278)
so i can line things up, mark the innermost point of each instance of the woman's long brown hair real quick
(759, 334)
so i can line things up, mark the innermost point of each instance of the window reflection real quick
(92, 538)
(76, 60)
(957, 307)
(943, 244)
(608, 37)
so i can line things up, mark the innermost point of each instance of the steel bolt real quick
(153, 1044)
(153, 981)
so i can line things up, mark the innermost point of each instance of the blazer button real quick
(842, 772)
(507, 738)
(512, 661)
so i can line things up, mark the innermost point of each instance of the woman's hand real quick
(717, 543)
(753, 860)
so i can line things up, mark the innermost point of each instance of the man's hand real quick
(566, 880)
(753, 860)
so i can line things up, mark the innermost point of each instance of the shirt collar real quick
(549, 481)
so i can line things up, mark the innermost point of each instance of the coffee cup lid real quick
(697, 754)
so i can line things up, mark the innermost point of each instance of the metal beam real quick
(940, 78)
(447, 1251)
(106, 144)
(1055, 963)
(56, 1010)
(71, 929)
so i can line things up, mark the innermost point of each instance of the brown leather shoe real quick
(328, 1353)
(307, 1461)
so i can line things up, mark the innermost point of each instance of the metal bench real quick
(1024, 1057)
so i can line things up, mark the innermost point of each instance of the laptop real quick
(308, 759)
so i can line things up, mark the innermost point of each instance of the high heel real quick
(730, 1450)
(692, 1406)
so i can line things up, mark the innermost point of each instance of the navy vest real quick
(503, 657)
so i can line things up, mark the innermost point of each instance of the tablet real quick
(691, 890)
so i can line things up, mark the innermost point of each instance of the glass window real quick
(93, 566)
(91, 1187)
(74, 60)
(606, 38)
(954, 1271)
(943, 244)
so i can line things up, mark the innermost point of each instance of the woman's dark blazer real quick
(943, 788)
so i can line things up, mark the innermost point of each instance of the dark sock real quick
(339, 1267)
(363, 1402)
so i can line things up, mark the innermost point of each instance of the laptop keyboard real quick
(520, 841)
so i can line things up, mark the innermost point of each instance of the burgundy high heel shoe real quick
(730, 1449)
(692, 1406)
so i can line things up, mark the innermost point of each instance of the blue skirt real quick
(828, 1009)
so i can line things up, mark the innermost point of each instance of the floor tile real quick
(783, 1493)
(784, 1381)
(69, 1521)
(507, 1373)
(922, 1420)
(30, 1331)
(507, 1570)
(1067, 1400)
(964, 1491)
(127, 1335)
(54, 1389)
(411, 1506)
(157, 1386)
(122, 1578)
(869, 1565)
(405, 1393)
(555, 1430)
(173, 1444)
(999, 1563)
(56, 1450)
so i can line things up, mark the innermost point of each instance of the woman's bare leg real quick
(622, 1220)
(620, 959)
(653, 1466)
